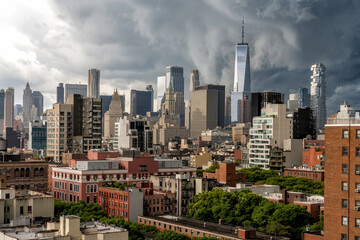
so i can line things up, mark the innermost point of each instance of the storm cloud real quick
(131, 42)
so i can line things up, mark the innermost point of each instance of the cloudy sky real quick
(132, 41)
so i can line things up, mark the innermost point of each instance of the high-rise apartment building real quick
(342, 178)
(75, 89)
(27, 104)
(259, 100)
(93, 90)
(318, 95)
(38, 102)
(9, 108)
(161, 91)
(140, 102)
(2, 110)
(242, 84)
(268, 133)
(75, 126)
(304, 97)
(207, 108)
(133, 133)
(60, 93)
(176, 76)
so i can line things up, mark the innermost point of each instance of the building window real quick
(345, 134)
(88, 199)
(357, 203)
(7, 196)
(344, 221)
(143, 168)
(358, 133)
(357, 222)
(345, 151)
(357, 152)
(344, 203)
(29, 209)
(344, 186)
(21, 210)
(357, 238)
(343, 236)
(344, 168)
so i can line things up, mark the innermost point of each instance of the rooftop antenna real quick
(242, 31)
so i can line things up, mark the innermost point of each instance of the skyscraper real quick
(38, 101)
(304, 97)
(93, 90)
(241, 77)
(259, 100)
(113, 115)
(176, 76)
(207, 108)
(149, 88)
(75, 89)
(318, 95)
(27, 104)
(293, 101)
(18, 109)
(194, 79)
(60, 93)
(161, 91)
(9, 108)
(2, 108)
(140, 102)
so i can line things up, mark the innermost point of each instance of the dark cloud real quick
(133, 41)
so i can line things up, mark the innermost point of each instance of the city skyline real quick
(281, 44)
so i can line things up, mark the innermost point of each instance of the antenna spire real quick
(242, 31)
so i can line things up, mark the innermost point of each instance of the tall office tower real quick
(303, 123)
(241, 77)
(27, 104)
(304, 97)
(80, 121)
(113, 115)
(17, 110)
(259, 100)
(342, 178)
(9, 108)
(268, 132)
(2, 108)
(161, 91)
(93, 90)
(245, 110)
(38, 101)
(227, 110)
(60, 93)
(180, 107)
(75, 89)
(37, 135)
(207, 108)
(150, 89)
(133, 133)
(318, 95)
(194, 79)
(140, 102)
(293, 101)
(176, 76)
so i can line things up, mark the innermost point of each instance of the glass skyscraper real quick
(304, 97)
(60, 93)
(176, 76)
(93, 89)
(318, 95)
(241, 79)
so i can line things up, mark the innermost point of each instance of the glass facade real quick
(38, 137)
(176, 76)
(60, 93)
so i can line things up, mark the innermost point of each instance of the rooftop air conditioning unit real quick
(357, 208)
(357, 172)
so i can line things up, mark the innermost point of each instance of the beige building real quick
(201, 159)
(69, 228)
(16, 203)
(207, 108)
(240, 133)
(113, 115)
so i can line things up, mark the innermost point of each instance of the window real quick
(344, 186)
(345, 134)
(143, 167)
(29, 209)
(344, 221)
(358, 133)
(345, 151)
(344, 203)
(357, 222)
(357, 203)
(343, 236)
(7, 196)
(357, 152)
(344, 168)
(21, 210)
(357, 238)
(88, 199)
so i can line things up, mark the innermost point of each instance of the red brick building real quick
(313, 174)
(342, 179)
(157, 202)
(126, 203)
(101, 155)
(226, 174)
(313, 156)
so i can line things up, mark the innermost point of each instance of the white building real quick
(293, 101)
(269, 130)
(318, 95)
(93, 90)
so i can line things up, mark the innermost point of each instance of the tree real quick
(257, 174)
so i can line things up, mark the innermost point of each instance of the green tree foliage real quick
(212, 169)
(244, 208)
(257, 174)
(170, 235)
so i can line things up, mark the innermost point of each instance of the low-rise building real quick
(315, 174)
(15, 203)
(200, 159)
(68, 228)
(226, 174)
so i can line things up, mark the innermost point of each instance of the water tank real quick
(2, 145)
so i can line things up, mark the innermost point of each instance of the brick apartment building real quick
(226, 174)
(310, 173)
(126, 203)
(313, 156)
(342, 179)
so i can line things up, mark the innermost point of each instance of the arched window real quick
(36, 172)
(27, 172)
(41, 172)
(22, 172)
(17, 173)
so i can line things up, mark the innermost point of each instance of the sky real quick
(46, 42)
